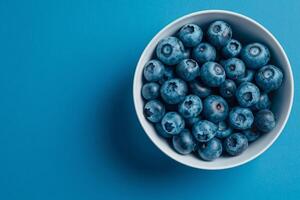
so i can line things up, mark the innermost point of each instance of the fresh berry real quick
(269, 78)
(150, 90)
(188, 69)
(154, 70)
(211, 150)
(173, 91)
(232, 49)
(204, 130)
(219, 33)
(264, 120)
(255, 55)
(170, 51)
(212, 74)
(154, 110)
(235, 144)
(241, 118)
(247, 94)
(184, 142)
(190, 35)
(191, 106)
(215, 108)
(204, 52)
(172, 123)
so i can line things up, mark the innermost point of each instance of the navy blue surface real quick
(68, 129)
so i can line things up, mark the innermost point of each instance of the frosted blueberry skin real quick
(269, 78)
(264, 120)
(190, 35)
(247, 94)
(241, 118)
(232, 49)
(173, 91)
(219, 33)
(192, 120)
(188, 69)
(215, 108)
(223, 130)
(170, 51)
(264, 102)
(199, 89)
(234, 68)
(159, 129)
(204, 130)
(167, 75)
(248, 76)
(212, 74)
(187, 53)
(251, 135)
(255, 55)
(235, 144)
(191, 106)
(227, 88)
(154, 110)
(184, 143)
(211, 150)
(150, 90)
(154, 70)
(172, 123)
(204, 52)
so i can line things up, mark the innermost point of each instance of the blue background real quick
(68, 129)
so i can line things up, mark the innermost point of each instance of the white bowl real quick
(245, 30)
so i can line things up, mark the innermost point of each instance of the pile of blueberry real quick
(210, 95)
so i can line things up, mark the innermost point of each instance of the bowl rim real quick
(234, 14)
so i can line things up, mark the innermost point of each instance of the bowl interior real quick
(245, 30)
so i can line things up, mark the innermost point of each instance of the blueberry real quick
(251, 135)
(154, 70)
(150, 91)
(263, 102)
(212, 74)
(247, 94)
(159, 129)
(168, 74)
(232, 49)
(235, 144)
(172, 123)
(173, 91)
(269, 78)
(190, 35)
(241, 118)
(211, 150)
(199, 89)
(223, 130)
(264, 120)
(154, 110)
(234, 68)
(215, 108)
(204, 52)
(188, 69)
(204, 130)
(170, 50)
(227, 88)
(219, 33)
(190, 107)
(184, 142)
(255, 55)
(192, 120)
(248, 76)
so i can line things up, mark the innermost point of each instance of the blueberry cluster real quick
(207, 94)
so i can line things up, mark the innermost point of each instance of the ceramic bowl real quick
(246, 30)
